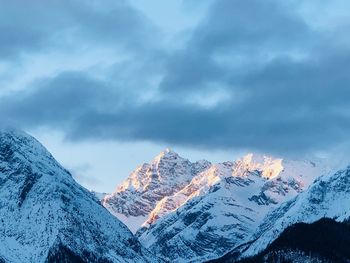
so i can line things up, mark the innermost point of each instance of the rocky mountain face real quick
(187, 211)
(327, 197)
(323, 241)
(258, 208)
(47, 217)
(222, 206)
(136, 198)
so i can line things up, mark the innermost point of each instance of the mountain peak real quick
(42, 200)
(19, 150)
(136, 197)
(18, 139)
(166, 153)
(167, 150)
(15, 136)
(268, 166)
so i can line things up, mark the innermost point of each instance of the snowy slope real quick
(136, 197)
(47, 217)
(323, 241)
(294, 173)
(328, 197)
(222, 206)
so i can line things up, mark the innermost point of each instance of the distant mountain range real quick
(186, 211)
(327, 197)
(254, 209)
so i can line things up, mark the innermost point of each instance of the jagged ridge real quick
(324, 241)
(136, 198)
(221, 206)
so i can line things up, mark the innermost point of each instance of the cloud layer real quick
(252, 74)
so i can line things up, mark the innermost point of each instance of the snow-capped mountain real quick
(47, 217)
(323, 241)
(136, 197)
(328, 197)
(222, 206)
(182, 211)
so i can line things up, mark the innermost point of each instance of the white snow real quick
(41, 207)
(328, 197)
(227, 202)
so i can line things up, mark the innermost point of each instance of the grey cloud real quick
(272, 122)
(287, 88)
(235, 30)
(59, 101)
(253, 23)
(37, 26)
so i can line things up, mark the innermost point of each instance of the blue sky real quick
(106, 85)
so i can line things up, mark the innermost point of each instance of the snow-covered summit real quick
(136, 197)
(166, 153)
(181, 210)
(19, 148)
(221, 206)
(327, 197)
(178, 207)
(47, 217)
(269, 167)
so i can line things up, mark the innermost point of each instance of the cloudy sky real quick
(106, 85)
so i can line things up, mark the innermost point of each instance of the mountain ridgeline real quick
(47, 217)
(323, 241)
(255, 209)
(323, 211)
(193, 212)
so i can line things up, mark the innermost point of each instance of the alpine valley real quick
(254, 209)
